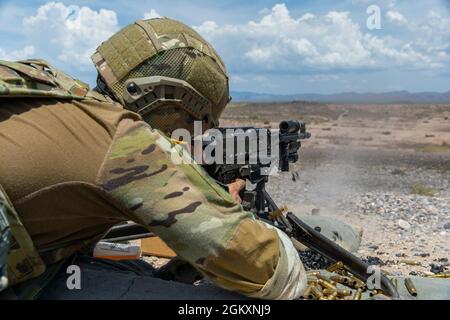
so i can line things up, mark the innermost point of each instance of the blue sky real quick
(319, 46)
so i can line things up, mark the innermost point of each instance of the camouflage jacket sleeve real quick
(197, 218)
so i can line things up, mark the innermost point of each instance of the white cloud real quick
(381, 3)
(70, 32)
(320, 78)
(151, 14)
(234, 78)
(25, 53)
(396, 17)
(280, 42)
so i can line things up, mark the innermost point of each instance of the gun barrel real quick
(290, 126)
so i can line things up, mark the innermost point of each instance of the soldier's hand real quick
(235, 187)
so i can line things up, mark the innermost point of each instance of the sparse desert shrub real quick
(434, 148)
(423, 190)
(444, 167)
(399, 172)
(386, 133)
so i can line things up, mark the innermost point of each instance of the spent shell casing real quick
(342, 272)
(381, 296)
(316, 292)
(358, 295)
(410, 262)
(343, 292)
(337, 266)
(311, 280)
(440, 275)
(326, 279)
(321, 276)
(373, 293)
(312, 273)
(358, 283)
(329, 292)
(355, 283)
(326, 284)
(340, 279)
(333, 296)
(307, 294)
(410, 286)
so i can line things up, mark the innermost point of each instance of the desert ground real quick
(382, 168)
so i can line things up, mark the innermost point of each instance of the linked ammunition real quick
(276, 213)
(410, 286)
(337, 266)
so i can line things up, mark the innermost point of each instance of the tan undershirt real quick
(50, 154)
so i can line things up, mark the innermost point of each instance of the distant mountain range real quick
(347, 97)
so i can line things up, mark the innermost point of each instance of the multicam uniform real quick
(74, 163)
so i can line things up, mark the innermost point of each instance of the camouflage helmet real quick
(166, 72)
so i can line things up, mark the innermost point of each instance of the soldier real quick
(76, 162)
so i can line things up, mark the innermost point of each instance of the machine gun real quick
(256, 165)
(255, 168)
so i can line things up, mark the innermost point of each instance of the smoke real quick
(326, 182)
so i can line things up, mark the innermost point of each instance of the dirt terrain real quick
(384, 168)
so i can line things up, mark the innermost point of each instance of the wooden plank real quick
(154, 246)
